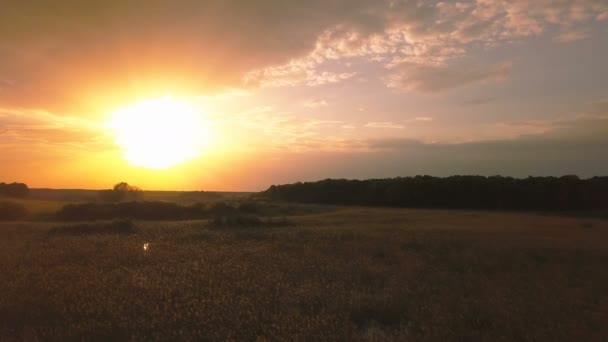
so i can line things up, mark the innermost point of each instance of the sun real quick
(160, 133)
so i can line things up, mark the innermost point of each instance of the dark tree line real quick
(475, 192)
(17, 190)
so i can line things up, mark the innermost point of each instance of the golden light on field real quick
(160, 133)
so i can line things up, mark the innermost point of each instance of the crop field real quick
(366, 274)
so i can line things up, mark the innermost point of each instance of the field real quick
(367, 274)
(42, 203)
(37, 208)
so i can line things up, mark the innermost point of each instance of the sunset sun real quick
(160, 133)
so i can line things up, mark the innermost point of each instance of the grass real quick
(112, 227)
(351, 274)
(38, 208)
(248, 221)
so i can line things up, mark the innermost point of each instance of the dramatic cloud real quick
(154, 46)
(342, 81)
(78, 54)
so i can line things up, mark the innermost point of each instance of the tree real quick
(121, 192)
(18, 190)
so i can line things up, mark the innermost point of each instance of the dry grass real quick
(39, 208)
(354, 274)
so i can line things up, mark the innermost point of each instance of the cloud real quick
(40, 127)
(437, 78)
(599, 107)
(567, 149)
(574, 146)
(293, 74)
(560, 133)
(265, 128)
(384, 124)
(315, 103)
(104, 51)
(571, 36)
(92, 54)
(479, 101)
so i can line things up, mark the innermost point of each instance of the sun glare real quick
(160, 133)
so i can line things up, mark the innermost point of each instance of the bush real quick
(114, 227)
(12, 211)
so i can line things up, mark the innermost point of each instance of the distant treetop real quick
(17, 190)
(121, 192)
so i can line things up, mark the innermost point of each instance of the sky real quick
(287, 91)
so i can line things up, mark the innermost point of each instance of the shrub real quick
(12, 211)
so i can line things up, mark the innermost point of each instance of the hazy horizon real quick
(237, 96)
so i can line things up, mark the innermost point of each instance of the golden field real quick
(368, 274)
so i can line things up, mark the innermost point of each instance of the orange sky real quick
(288, 91)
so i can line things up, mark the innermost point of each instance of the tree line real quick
(17, 190)
(471, 192)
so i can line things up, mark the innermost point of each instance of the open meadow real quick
(344, 273)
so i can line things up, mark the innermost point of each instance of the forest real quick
(471, 192)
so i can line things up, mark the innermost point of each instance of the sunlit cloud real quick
(384, 124)
(153, 55)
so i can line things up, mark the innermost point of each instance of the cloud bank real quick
(73, 54)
